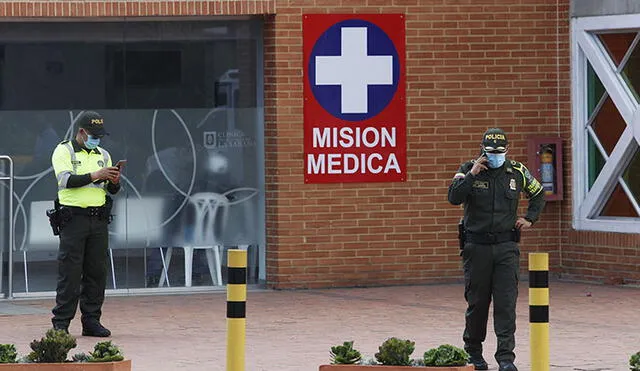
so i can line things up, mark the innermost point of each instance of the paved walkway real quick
(593, 327)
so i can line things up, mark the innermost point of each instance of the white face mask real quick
(495, 160)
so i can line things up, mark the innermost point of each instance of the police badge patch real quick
(512, 184)
(101, 163)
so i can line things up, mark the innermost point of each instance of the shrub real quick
(52, 348)
(446, 355)
(80, 357)
(8, 353)
(634, 362)
(345, 354)
(395, 352)
(104, 351)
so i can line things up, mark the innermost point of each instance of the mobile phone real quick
(121, 164)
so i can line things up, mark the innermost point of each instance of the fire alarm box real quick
(545, 164)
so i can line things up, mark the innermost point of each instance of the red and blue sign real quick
(354, 98)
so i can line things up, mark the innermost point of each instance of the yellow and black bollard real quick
(236, 309)
(539, 310)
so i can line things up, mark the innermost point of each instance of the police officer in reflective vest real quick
(85, 173)
(490, 187)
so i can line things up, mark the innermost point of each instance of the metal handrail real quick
(11, 237)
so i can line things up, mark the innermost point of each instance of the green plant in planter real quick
(8, 353)
(395, 352)
(345, 354)
(104, 351)
(81, 357)
(446, 355)
(634, 362)
(52, 348)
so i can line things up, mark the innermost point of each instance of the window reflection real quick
(180, 102)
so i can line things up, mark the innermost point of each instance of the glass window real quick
(605, 148)
(608, 125)
(617, 44)
(180, 100)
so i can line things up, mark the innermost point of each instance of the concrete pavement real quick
(592, 327)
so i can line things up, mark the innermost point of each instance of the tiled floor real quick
(592, 327)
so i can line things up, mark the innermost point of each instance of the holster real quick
(108, 205)
(52, 214)
(59, 216)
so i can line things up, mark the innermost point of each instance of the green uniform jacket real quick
(491, 197)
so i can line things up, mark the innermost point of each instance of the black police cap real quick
(93, 122)
(494, 139)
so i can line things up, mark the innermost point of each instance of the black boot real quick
(61, 326)
(478, 361)
(95, 328)
(507, 366)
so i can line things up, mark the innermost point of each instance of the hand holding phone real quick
(479, 164)
(120, 164)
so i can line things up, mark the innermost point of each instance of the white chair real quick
(210, 209)
(137, 224)
(41, 237)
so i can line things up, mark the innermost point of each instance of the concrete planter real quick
(392, 368)
(68, 366)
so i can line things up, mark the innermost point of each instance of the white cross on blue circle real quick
(354, 70)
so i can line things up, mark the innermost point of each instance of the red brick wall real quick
(470, 65)
(612, 258)
(88, 8)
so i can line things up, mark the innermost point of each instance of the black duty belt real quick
(492, 238)
(88, 211)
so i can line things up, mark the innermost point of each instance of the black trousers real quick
(491, 272)
(82, 269)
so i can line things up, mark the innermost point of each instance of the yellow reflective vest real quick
(69, 158)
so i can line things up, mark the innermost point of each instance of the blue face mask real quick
(91, 142)
(496, 159)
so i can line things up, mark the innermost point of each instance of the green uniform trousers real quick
(82, 269)
(491, 271)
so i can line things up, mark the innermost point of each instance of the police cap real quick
(92, 122)
(494, 140)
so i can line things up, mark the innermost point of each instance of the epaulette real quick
(64, 142)
(516, 164)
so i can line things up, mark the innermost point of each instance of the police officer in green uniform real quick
(490, 187)
(85, 173)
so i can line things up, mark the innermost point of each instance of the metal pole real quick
(236, 308)
(539, 311)
(11, 242)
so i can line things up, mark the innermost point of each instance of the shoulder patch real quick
(516, 164)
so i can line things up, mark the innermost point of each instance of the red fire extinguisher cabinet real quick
(545, 163)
